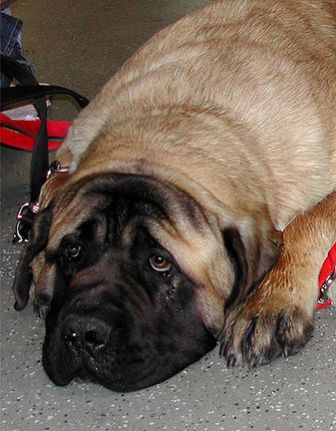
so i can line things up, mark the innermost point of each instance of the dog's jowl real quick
(172, 229)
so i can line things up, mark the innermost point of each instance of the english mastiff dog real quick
(195, 207)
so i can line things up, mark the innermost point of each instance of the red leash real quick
(21, 134)
(326, 277)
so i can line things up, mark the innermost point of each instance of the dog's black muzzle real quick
(105, 327)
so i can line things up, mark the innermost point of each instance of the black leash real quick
(13, 95)
(30, 89)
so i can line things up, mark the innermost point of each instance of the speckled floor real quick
(79, 44)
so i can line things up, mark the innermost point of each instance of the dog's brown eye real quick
(160, 264)
(73, 251)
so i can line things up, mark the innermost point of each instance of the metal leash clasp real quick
(24, 219)
(56, 168)
(28, 210)
(325, 288)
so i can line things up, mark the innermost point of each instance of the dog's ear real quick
(37, 242)
(251, 258)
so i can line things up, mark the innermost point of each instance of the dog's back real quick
(269, 67)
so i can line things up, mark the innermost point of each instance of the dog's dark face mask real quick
(135, 278)
(127, 321)
(122, 312)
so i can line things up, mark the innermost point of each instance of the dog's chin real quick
(122, 368)
(112, 377)
(123, 353)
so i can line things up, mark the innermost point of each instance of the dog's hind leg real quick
(277, 317)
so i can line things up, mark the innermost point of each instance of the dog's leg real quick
(277, 317)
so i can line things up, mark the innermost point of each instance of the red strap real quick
(21, 134)
(327, 270)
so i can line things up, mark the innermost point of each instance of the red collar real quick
(326, 277)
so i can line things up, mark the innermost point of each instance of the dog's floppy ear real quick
(251, 259)
(37, 242)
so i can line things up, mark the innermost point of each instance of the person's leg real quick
(11, 47)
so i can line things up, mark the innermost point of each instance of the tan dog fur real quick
(235, 105)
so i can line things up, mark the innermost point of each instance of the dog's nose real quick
(85, 333)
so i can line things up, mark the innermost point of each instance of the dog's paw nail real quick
(224, 345)
(41, 310)
(231, 361)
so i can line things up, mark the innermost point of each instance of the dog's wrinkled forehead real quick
(168, 213)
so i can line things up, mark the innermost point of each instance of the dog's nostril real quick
(96, 338)
(81, 333)
(72, 337)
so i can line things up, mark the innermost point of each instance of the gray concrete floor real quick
(79, 44)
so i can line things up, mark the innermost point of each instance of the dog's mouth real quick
(126, 355)
(105, 367)
(87, 368)
(112, 368)
(89, 349)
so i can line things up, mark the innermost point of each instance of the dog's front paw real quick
(256, 332)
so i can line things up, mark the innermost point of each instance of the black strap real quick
(13, 95)
(30, 89)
